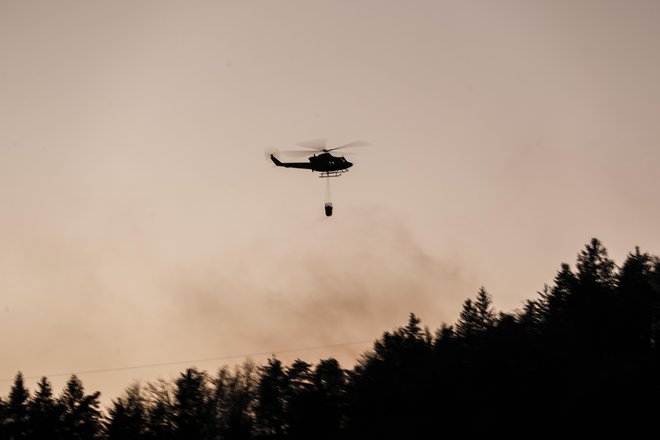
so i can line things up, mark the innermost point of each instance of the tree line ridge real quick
(582, 357)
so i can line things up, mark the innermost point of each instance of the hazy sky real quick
(140, 222)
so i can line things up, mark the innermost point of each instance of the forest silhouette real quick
(580, 358)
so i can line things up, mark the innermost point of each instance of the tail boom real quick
(279, 163)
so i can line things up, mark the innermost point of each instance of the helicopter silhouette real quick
(322, 160)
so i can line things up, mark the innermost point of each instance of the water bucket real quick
(328, 209)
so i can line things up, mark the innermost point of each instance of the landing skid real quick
(326, 174)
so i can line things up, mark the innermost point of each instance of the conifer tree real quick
(271, 401)
(467, 325)
(159, 403)
(192, 405)
(234, 395)
(554, 302)
(299, 401)
(445, 333)
(476, 317)
(329, 381)
(45, 412)
(81, 419)
(485, 314)
(127, 416)
(592, 304)
(3, 420)
(594, 267)
(18, 426)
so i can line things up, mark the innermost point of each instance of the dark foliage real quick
(128, 416)
(16, 411)
(81, 418)
(581, 358)
(45, 413)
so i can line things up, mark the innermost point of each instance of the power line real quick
(164, 364)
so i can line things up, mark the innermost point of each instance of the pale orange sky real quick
(140, 222)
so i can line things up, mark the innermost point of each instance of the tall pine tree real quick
(127, 416)
(45, 412)
(271, 400)
(192, 417)
(18, 426)
(81, 419)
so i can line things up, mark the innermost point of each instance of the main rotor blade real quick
(350, 145)
(314, 144)
(297, 153)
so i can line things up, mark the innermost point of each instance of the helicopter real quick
(322, 160)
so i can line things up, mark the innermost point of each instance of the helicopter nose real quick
(348, 164)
